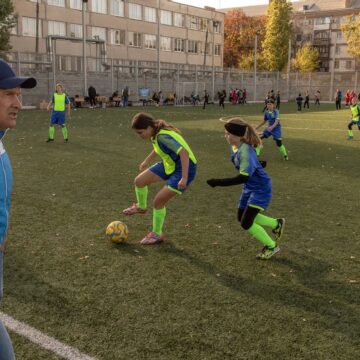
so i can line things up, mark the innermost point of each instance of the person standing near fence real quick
(10, 90)
(299, 100)
(277, 99)
(317, 97)
(307, 99)
(59, 102)
(125, 96)
(206, 98)
(92, 97)
(338, 98)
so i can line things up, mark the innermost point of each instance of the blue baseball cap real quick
(9, 80)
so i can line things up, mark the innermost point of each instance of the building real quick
(123, 31)
(318, 22)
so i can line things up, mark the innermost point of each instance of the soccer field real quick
(201, 294)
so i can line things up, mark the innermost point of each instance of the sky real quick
(223, 3)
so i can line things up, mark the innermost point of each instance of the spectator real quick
(277, 100)
(338, 97)
(307, 99)
(222, 97)
(317, 97)
(206, 98)
(92, 96)
(115, 98)
(299, 100)
(125, 96)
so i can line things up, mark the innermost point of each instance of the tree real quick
(278, 32)
(307, 59)
(351, 30)
(247, 62)
(7, 22)
(239, 34)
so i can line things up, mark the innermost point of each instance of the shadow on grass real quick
(331, 300)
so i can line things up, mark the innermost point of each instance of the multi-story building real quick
(122, 30)
(318, 22)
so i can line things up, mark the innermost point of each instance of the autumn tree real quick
(306, 59)
(7, 22)
(351, 30)
(278, 32)
(239, 35)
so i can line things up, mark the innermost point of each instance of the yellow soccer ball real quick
(117, 232)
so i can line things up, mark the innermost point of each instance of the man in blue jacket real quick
(10, 89)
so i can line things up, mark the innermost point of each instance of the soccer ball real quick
(117, 232)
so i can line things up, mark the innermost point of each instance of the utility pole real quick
(84, 46)
(158, 46)
(37, 29)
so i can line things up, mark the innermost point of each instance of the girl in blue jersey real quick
(256, 193)
(177, 168)
(274, 129)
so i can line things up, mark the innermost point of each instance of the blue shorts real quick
(57, 117)
(276, 133)
(259, 199)
(173, 178)
(357, 123)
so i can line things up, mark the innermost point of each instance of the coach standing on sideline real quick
(10, 89)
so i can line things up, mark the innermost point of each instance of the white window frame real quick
(348, 64)
(193, 47)
(134, 39)
(99, 6)
(217, 50)
(29, 27)
(117, 37)
(150, 41)
(194, 22)
(179, 45)
(76, 31)
(98, 31)
(135, 11)
(76, 4)
(150, 14)
(217, 27)
(117, 7)
(56, 28)
(165, 17)
(165, 43)
(179, 20)
(60, 3)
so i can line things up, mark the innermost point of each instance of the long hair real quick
(251, 136)
(143, 121)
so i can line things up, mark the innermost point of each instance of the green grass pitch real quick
(201, 294)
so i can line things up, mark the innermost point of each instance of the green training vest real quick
(59, 102)
(169, 163)
(355, 112)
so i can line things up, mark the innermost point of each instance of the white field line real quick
(310, 129)
(46, 342)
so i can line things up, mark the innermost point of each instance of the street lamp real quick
(84, 45)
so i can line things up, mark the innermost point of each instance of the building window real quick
(29, 27)
(134, 39)
(76, 4)
(165, 17)
(203, 24)
(135, 11)
(179, 45)
(98, 33)
(118, 37)
(149, 14)
(217, 27)
(337, 49)
(14, 29)
(179, 20)
(339, 35)
(194, 23)
(298, 37)
(56, 28)
(76, 31)
(150, 41)
(322, 20)
(193, 47)
(217, 50)
(336, 64)
(99, 6)
(348, 64)
(165, 43)
(56, 2)
(117, 7)
(205, 48)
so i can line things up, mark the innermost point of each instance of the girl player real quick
(177, 168)
(256, 193)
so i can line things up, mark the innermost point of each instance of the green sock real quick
(51, 132)
(350, 133)
(283, 151)
(158, 220)
(258, 150)
(266, 221)
(260, 234)
(64, 132)
(141, 196)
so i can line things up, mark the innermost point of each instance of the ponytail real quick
(250, 136)
(143, 121)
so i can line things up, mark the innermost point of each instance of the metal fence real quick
(113, 75)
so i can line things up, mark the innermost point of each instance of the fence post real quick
(196, 80)
(213, 83)
(137, 79)
(112, 74)
(356, 80)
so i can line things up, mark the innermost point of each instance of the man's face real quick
(9, 107)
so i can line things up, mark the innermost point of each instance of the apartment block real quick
(318, 22)
(124, 31)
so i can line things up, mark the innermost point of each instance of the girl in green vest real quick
(355, 117)
(59, 101)
(177, 168)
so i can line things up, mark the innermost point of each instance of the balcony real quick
(322, 41)
(321, 27)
